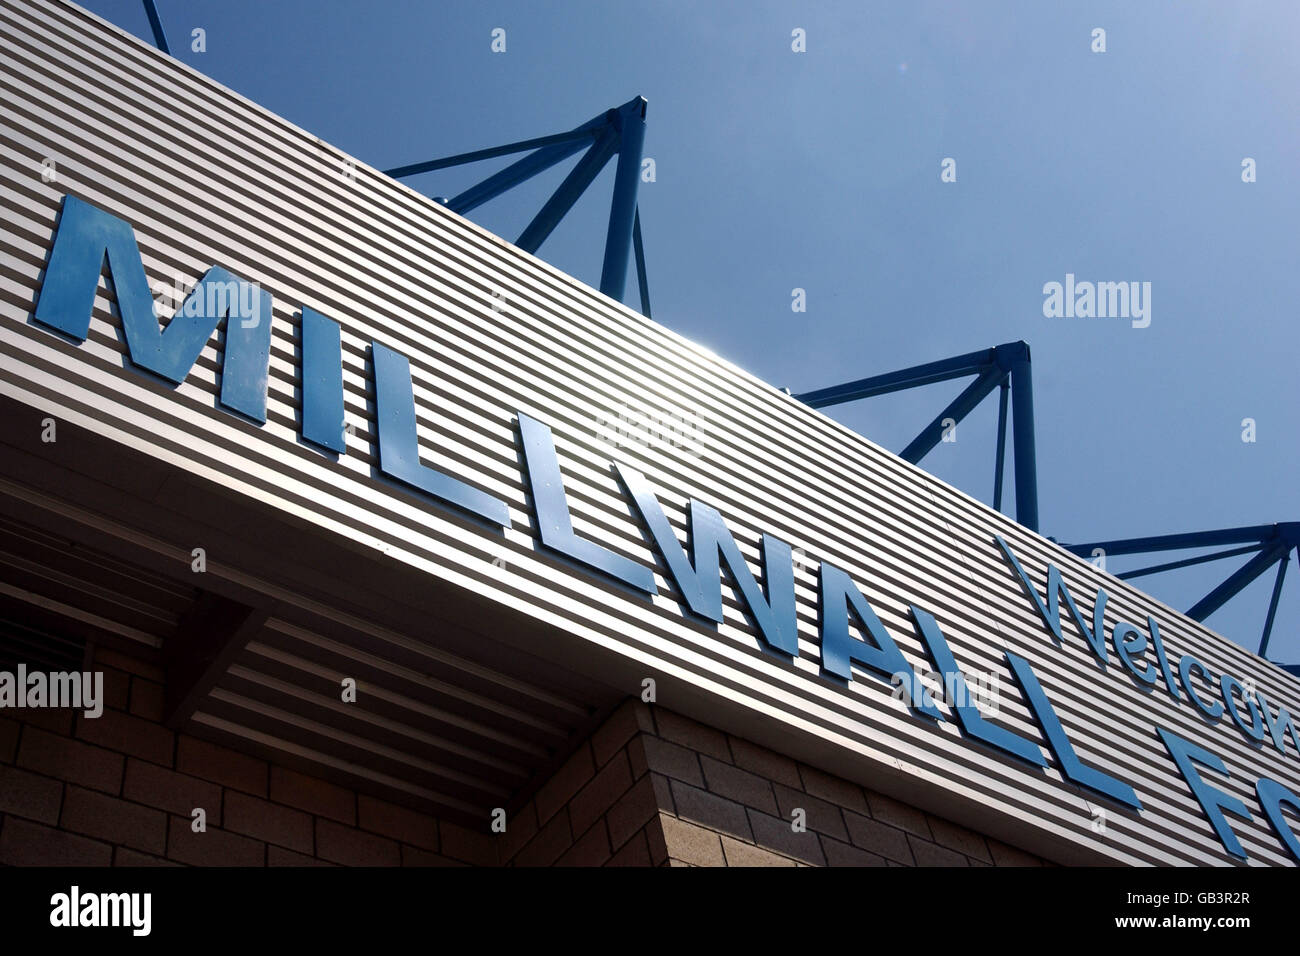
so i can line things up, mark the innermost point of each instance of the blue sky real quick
(821, 170)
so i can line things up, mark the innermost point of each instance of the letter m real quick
(86, 237)
(1112, 299)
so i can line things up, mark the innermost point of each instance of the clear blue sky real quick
(820, 170)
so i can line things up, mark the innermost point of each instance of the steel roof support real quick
(1003, 366)
(618, 131)
(575, 138)
(1187, 562)
(1238, 580)
(1272, 604)
(1022, 434)
(639, 250)
(155, 24)
(972, 363)
(516, 173)
(955, 411)
(1270, 544)
(1179, 542)
(1000, 464)
(629, 122)
(573, 186)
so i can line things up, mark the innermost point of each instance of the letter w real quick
(1051, 612)
(701, 585)
(86, 236)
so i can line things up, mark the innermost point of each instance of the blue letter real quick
(1162, 660)
(712, 543)
(1255, 730)
(86, 236)
(968, 715)
(1210, 798)
(399, 445)
(1073, 768)
(554, 523)
(1279, 727)
(322, 381)
(1188, 665)
(838, 595)
(1051, 613)
(1271, 797)
(1125, 649)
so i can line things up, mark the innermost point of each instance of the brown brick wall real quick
(120, 789)
(648, 788)
(602, 807)
(653, 787)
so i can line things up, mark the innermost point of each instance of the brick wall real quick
(654, 788)
(120, 789)
(649, 788)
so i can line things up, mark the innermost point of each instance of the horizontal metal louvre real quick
(206, 177)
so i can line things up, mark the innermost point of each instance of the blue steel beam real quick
(155, 24)
(548, 150)
(972, 363)
(1000, 464)
(1179, 542)
(562, 200)
(1272, 604)
(553, 149)
(1022, 433)
(1238, 580)
(1187, 562)
(577, 137)
(992, 367)
(620, 131)
(1270, 543)
(957, 409)
(630, 122)
(513, 175)
(643, 283)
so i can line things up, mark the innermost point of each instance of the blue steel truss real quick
(155, 24)
(1270, 544)
(617, 132)
(1006, 367)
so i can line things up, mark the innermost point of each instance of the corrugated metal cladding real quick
(206, 177)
